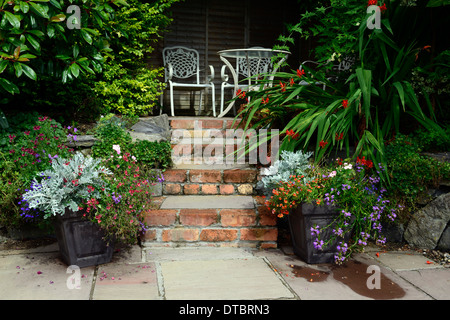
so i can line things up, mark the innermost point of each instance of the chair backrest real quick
(253, 66)
(185, 62)
(346, 63)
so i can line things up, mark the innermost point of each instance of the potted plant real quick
(120, 209)
(57, 193)
(332, 210)
(95, 204)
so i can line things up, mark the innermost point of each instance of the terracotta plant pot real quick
(81, 242)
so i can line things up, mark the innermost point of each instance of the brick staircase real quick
(206, 200)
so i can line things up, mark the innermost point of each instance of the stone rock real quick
(152, 129)
(444, 242)
(426, 226)
(82, 141)
(393, 232)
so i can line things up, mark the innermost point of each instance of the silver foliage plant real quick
(66, 184)
(290, 163)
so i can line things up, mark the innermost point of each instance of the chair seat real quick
(191, 85)
(230, 85)
(306, 83)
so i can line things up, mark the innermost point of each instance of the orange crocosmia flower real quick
(283, 86)
(291, 82)
(300, 73)
(292, 134)
(345, 103)
(240, 94)
(323, 144)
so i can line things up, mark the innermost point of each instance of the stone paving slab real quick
(321, 281)
(405, 260)
(41, 276)
(435, 283)
(121, 281)
(225, 273)
(232, 279)
(195, 253)
(208, 202)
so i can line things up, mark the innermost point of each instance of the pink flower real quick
(116, 147)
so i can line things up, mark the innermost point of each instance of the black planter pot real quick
(81, 242)
(301, 220)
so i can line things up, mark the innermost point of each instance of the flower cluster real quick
(357, 197)
(33, 150)
(292, 135)
(25, 152)
(120, 209)
(65, 185)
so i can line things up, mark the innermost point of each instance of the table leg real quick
(271, 77)
(235, 79)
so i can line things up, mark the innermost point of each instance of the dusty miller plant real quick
(291, 163)
(66, 184)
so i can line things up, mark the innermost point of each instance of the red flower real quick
(240, 94)
(364, 162)
(323, 144)
(300, 73)
(383, 8)
(292, 134)
(345, 103)
(372, 3)
(264, 101)
(291, 81)
(339, 136)
(283, 86)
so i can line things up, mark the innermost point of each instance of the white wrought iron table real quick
(249, 53)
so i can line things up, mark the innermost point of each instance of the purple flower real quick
(116, 198)
(315, 231)
(318, 244)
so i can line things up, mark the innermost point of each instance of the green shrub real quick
(112, 131)
(153, 154)
(109, 134)
(129, 84)
(27, 148)
(432, 140)
(412, 173)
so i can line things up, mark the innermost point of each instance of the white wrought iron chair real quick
(254, 67)
(313, 64)
(184, 63)
(344, 65)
